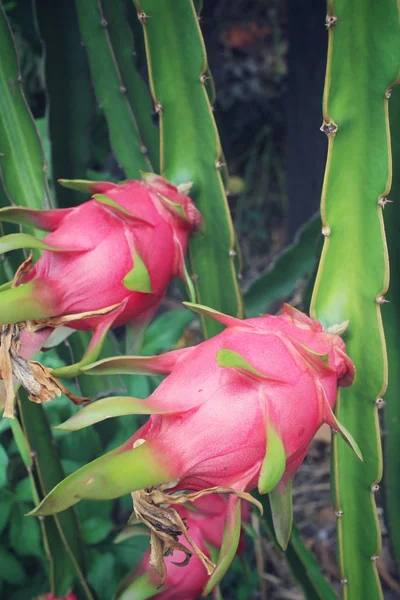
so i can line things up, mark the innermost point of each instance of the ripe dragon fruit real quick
(105, 263)
(236, 412)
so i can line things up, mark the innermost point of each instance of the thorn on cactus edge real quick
(381, 300)
(194, 277)
(143, 149)
(383, 201)
(339, 513)
(343, 581)
(143, 17)
(204, 77)
(232, 253)
(388, 93)
(159, 109)
(330, 21)
(104, 23)
(374, 558)
(375, 488)
(122, 89)
(380, 403)
(330, 129)
(326, 231)
(20, 79)
(219, 164)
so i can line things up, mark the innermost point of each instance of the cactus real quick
(190, 148)
(352, 278)
(22, 164)
(119, 88)
(392, 325)
(70, 107)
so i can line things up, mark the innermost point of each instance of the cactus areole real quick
(236, 412)
(105, 263)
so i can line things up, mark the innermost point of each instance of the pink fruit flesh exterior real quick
(205, 526)
(217, 436)
(91, 279)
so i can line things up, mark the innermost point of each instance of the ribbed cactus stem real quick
(353, 274)
(190, 148)
(119, 88)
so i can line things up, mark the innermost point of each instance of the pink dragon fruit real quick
(205, 522)
(114, 254)
(236, 412)
(106, 262)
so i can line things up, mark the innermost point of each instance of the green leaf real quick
(108, 408)
(3, 466)
(24, 533)
(174, 207)
(23, 490)
(190, 148)
(230, 542)
(136, 365)
(280, 499)
(118, 208)
(7, 500)
(95, 346)
(213, 314)
(96, 529)
(103, 574)
(295, 263)
(15, 241)
(233, 360)
(11, 570)
(138, 278)
(274, 463)
(81, 185)
(134, 587)
(117, 473)
(165, 331)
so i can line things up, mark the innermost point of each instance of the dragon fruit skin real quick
(136, 224)
(235, 412)
(216, 432)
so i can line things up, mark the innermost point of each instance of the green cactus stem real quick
(353, 273)
(190, 147)
(119, 88)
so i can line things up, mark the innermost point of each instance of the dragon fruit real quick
(235, 413)
(105, 263)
